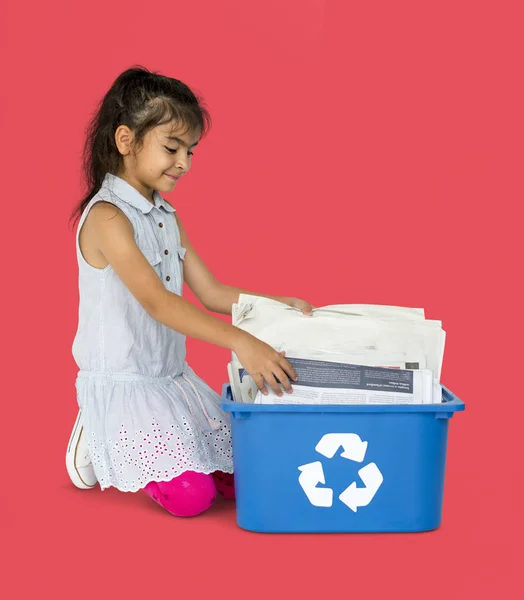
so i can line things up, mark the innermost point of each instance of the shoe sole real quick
(71, 453)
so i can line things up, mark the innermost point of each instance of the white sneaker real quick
(78, 463)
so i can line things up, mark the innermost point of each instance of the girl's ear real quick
(123, 139)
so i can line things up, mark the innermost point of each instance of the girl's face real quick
(163, 159)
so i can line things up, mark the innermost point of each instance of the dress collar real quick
(126, 192)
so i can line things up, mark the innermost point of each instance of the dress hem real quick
(163, 478)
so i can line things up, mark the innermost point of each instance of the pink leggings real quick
(191, 493)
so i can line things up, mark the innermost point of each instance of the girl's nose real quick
(183, 163)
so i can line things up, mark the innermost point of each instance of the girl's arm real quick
(113, 236)
(214, 295)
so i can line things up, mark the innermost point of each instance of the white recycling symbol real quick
(354, 449)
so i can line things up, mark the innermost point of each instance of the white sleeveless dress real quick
(147, 416)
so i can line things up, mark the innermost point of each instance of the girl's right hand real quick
(264, 363)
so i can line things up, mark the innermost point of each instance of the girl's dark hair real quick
(142, 100)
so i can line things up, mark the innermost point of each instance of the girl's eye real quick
(174, 150)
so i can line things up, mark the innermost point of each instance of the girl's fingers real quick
(271, 381)
(286, 366)
(282, 377)
(259, 380)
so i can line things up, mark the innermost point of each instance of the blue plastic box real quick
(340, 468)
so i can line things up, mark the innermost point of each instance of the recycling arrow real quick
(354, 497)
(354, 447)
(310, 475)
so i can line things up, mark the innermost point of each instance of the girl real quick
(146, 420)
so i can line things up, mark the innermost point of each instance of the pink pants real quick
(191, 493)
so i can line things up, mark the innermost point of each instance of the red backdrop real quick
(361, 152)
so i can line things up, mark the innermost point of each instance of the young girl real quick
(146, 420)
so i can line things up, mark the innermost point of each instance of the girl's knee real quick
(187, 495)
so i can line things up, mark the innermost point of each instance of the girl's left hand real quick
(302, 305)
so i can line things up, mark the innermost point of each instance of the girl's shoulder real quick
(106, 219)
(102, 211)
(106, 205)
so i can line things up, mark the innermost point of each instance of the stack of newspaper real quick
(344, 354)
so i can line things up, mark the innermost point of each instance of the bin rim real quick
(451, 404)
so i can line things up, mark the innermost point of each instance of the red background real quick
(361, 152)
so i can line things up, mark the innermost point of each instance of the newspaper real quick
(345, 330)
(245, 389)
(247, 304)
(321, 382)
(349, 334)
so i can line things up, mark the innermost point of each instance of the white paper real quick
(367, 335)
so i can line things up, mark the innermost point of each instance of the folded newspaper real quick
(338, 347)
(321, 382)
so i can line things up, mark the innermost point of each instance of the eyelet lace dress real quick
(146, 414)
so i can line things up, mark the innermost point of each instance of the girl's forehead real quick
(175, 131)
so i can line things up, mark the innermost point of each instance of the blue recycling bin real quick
(340, 468)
